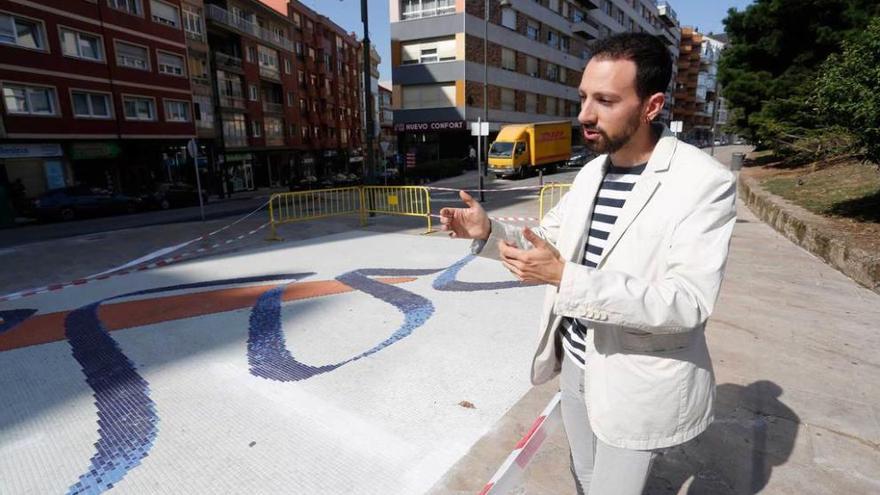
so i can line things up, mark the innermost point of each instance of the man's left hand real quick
(541, 264)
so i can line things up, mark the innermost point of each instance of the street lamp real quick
(502, 4)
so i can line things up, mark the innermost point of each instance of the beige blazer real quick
(650, 382)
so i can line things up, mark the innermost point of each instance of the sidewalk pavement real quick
(794, 345)
(240, 204)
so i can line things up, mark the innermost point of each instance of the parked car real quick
(580, 155)
(174, 195)
(68, 203)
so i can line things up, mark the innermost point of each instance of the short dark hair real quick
(653, 61)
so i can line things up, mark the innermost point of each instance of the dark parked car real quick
(579, 156)
(68, 203)
(175, 195)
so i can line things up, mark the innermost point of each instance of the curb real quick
(810, 232)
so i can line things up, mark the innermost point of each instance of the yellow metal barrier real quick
(553, 193)
(323, 203)
(411, 201)
(310, 205)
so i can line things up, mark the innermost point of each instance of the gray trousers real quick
(598, 468)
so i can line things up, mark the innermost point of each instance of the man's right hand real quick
(466, 223)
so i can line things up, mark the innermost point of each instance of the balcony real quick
(232, 100)
(201, 81)
(228, 62)
(589, 4)
(586, 28)
(275, 140)
(269, 72)
(222, 16)
(271, 107)
(667, 15)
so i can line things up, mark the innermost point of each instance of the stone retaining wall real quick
(811, 232)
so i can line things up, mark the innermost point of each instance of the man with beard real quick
(633, 256)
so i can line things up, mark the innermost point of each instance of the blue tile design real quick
(268, 355)
(447, 281)
(9, 319)
(127, 417)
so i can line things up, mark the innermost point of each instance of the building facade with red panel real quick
(95, 92)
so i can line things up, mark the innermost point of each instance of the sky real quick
(703, 14)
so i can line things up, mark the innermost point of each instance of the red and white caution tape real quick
(509, 475)
(506, 219)
(137, 267)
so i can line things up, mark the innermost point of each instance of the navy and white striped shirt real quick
(616, 187)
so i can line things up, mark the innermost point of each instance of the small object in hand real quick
(467, 404)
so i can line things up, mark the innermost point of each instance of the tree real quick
(776, 48)
(848, 89)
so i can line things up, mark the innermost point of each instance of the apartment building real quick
(696, 86)
(285, 92)
(94, 93)
(535, 56)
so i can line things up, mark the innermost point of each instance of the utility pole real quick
(368, 100)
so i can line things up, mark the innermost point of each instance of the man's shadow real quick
(753, 432)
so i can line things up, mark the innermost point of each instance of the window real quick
(550, 106)
(428, 51)
(139, 108)
(508, 18)
(288, 67)
(292, 130)
(311, 53)
(532, 29)
(508, 99)
(198, 66)
(577, 16)
(297, 20)
(552, 72)
(291, 99)
(508, 59)
(134, 56)
(203, 110)
(90, 105)
(303, 106)
(165, 13)
(253, 92)
(274, 128)
(268, 57)
(177, 111)
(251, 54)
(130, 6)
(29, 100)
(532, 66)
(234, 130)
(554, 5)
(416, 9)
(301, 78)
(564, 43)
(304, 132)
(21, 32)
(299, 49)
(256, 129)
(82, 45)
(563, 75)
(429, 96)
(531, 103)
(170, 64)
(193, 22)
(553, 39)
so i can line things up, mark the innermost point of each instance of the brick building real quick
(95, 93)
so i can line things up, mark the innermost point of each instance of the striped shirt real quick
(616, 187)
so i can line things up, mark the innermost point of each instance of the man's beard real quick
(608, 144)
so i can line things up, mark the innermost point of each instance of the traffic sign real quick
(479, 128)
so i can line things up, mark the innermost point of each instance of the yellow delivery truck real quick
(521, 149)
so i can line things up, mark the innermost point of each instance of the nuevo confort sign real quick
(450, 125)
